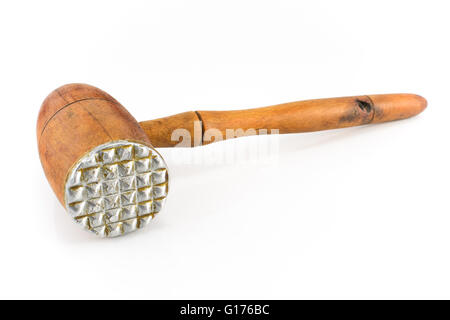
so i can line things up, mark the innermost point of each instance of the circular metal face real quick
(116, 188)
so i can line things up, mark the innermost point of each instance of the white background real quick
(352, 213)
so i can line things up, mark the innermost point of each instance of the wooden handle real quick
(303, 116)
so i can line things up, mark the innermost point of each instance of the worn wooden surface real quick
(73, 120)
(160, 130)
(76, 118)
(294, 117)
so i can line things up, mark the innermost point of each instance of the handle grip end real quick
(389, 107)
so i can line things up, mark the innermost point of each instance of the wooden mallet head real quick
(105, 171)
(99, 162)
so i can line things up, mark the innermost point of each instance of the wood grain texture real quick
(76, 118)
(160, 130)
(73, 120)
(294, 117)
